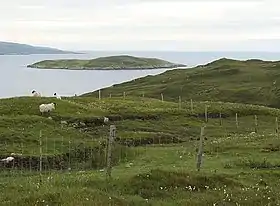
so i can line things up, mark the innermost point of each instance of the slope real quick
(154, 153)
(251, 81)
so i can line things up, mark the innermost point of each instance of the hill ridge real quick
(238, 81)
(12, 48)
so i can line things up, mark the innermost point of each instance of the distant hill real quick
(253, 81)
(122, 62)
(9, 48)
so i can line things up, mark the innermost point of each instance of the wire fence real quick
(64, 155)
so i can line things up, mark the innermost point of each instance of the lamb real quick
(57, 96)
(47, 107)
(36, 94)
(8, 159)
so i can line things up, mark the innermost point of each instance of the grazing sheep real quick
(57, 96)
(16, 154)
(8, 159)
(106, 119)
(36, 94)
(46, 108)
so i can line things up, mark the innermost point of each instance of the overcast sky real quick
(191, 25)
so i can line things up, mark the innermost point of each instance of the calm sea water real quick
(18, 80)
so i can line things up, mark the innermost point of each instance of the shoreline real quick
(111, 69)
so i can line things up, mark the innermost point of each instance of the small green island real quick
(123, 62)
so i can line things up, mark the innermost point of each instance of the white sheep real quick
(16, 154)
(36, 94)
(106, 119)
(57, 96)
(8, 159)
(44, 108)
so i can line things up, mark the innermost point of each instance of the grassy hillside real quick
(251, 81)
(154, 155)
(106, 63)
(9, 48)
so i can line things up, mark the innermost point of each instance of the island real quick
(122, 62)
(10, 48)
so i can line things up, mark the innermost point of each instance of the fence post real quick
(69, 150)
(54, 152)
(61, 151)
(220, 119)
(161, 97)
(124, 95)
(206, 114)
(191, 106)
(256, 123)
(277, 126)
(180, 102)
(110, 95)
(109, 151)
(99, 94)
(236, 120)
(200, 150)
(41, 156)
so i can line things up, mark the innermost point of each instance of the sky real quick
(181, 25)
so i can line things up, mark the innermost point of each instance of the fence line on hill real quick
(97, 154)
(66, 155)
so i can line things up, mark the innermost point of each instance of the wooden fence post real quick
(276, 126)
(161, 97)
(180, 102)
(220, 116)
(206, 114)
(191, 106)
(109, 150)
(200, 150)
(236, 120)
(41, 155)
(110, 95)
(256, 123)
(99, 94)
(69, 160)
(124, 95)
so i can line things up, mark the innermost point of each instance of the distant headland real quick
(10, 48)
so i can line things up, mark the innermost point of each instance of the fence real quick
(65, 156)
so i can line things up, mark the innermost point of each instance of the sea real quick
(18, 80)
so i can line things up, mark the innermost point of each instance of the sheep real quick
(57, 96)
(8, 159)
(36, 94)
(16, 154)
(106, 119)
(47, 107)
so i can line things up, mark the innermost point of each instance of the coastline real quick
(179, 66)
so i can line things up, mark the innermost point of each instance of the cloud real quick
(142, 24)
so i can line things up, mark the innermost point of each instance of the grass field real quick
(154, 156)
